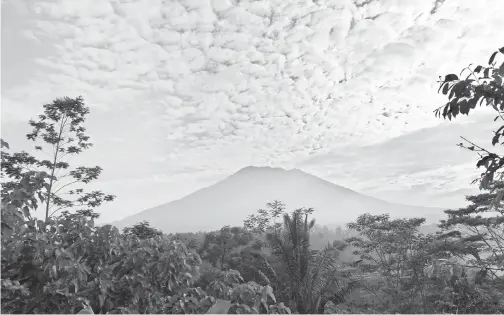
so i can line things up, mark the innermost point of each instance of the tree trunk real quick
(53, 169)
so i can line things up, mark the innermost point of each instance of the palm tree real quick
(325, 280)
(308, 278)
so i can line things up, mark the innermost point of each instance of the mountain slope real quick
(231, 200)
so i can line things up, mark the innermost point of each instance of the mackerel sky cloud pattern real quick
(205, 87)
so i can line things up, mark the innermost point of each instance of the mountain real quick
(231, 200)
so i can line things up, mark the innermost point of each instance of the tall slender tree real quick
(59, 133)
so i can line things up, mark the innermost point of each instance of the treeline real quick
(66, 264)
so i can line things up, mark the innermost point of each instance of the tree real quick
(392, 257)
(309, 278)
(474, 234)
(20, 197)
(266, 219)
(254, 264)
(193, 241)
(483, 85)
(282, 256)
(478, 232)
(142, 230)
(60, 130)
(292, 247)
(219, 245)
(404, 271)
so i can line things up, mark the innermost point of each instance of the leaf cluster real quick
(484, 85)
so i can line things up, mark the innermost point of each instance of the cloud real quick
(423, 167)
(221, 84)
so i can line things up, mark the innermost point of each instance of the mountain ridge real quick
(335, 186)
(231, 200)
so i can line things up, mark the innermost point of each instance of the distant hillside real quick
(231, 200)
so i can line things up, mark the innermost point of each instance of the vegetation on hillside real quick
(278, 262)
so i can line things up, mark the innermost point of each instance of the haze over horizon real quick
(232, 200)
(184, 94)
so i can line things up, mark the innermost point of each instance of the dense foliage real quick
(405, 271)
(484, 85)
(66, 263)
(278, 262)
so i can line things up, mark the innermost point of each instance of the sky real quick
(185, 93)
